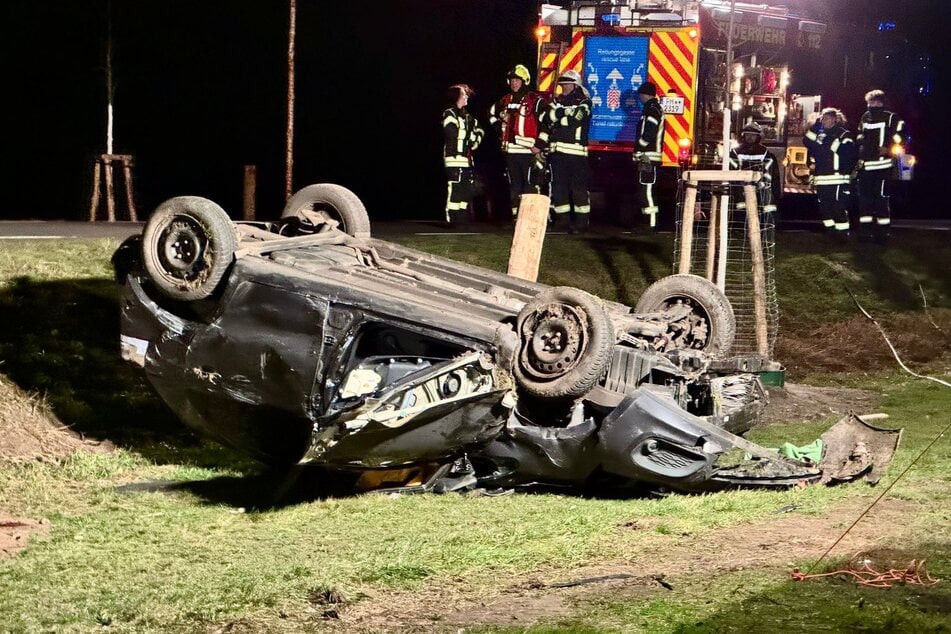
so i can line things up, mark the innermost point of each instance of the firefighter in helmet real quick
(751, 154)
(832, 148)
(648, 149)
(881, 136)
(461, 136)
(565, 137)
(516, 119)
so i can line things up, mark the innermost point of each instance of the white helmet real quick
(570, 77)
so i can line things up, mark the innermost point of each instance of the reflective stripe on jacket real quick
(520, 128)
(650, 133)
(461, 136)
(833, 150)
(565, 124)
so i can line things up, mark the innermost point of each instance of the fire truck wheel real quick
(321, 203)
(187, 246)
(708, 325)
(566, 343)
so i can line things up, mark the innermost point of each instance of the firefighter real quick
(881, 134)
(832, 148)
(516, 119)
(648, 149)
(751, 154)
(565, 137)
(462, 136)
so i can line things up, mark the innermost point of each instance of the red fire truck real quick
(681, 47)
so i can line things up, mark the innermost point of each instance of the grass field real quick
(167, 532)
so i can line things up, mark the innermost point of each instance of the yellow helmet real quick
(519, 72)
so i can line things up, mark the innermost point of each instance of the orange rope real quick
(914, 574)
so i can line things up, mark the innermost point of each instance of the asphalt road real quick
(54, 229)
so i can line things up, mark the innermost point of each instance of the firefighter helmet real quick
(570, 77)
(753, 128)
(519, 72)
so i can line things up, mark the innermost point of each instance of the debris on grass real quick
(914, 574)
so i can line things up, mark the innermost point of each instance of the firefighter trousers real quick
(873, 201)
(646, 179)
(518, 171)
(833, 207)
(569, 186)
(461, 188)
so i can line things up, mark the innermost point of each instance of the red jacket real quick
(519, 129)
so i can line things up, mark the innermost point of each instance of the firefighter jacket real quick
(462, 135)
(517, 116)
(834, 153)
(879, 129)
(650, 133)
(757, 158)
(565, 124)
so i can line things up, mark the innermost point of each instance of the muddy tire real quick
(187, 246)
(566, 343)
(710, 325)
(316, 204)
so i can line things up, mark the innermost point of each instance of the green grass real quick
(194, 553)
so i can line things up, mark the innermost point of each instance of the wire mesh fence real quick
(718, 200)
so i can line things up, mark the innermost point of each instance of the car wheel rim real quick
(554, 341)
(184, 250)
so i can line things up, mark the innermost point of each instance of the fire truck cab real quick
(681, 47)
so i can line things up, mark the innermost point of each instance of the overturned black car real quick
(307, 341)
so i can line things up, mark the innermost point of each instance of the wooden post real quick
(250, 191)
(127, 176)
(289, 135)
(686, 227)
(526, 253)
(94, 203)
(110, 189)
(759, 270)
(104, 173)
(712, 237)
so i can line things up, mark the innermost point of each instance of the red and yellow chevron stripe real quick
(547, 69)
(573, 59)
(672, 64)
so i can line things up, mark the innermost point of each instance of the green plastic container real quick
(773, 378)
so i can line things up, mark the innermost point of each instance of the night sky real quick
(201, 86)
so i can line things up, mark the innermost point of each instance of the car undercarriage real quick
(306, 341)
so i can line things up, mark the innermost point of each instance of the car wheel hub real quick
(183, 249)
(556, 341)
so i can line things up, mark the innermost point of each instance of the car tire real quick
(187, 246)
(330, 201)
(710, 309)
(566, 343)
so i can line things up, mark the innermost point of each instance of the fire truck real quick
(681, 47)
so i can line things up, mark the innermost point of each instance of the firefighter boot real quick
(581, 223)
(561, 222)
(458, 217)
(881, 234)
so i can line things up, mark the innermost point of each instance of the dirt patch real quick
(856, 345)
(796, 402)
(29, 431)
(15, 532)
(769, 544)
